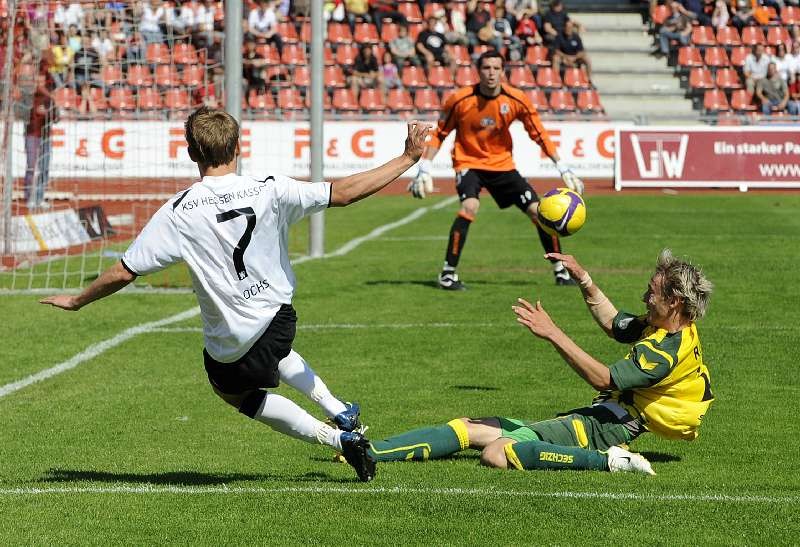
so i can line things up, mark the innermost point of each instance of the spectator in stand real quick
(678, 26)
(262, 25)
(253, 68)
(403, 49)
(135, 48)
(693, 9)
(456, 32)
(333, 10)
(390, 74)
(489, 36)
(74, 38)
(37, 144)
(430, 46)
(72, 14)
(783, 62)
(569, 50)
(357, 11)
(87, 64)
(772, 91)
(151, 16)
(720, 17)
(528, 32)
(517, 9)
(505, 32)
(87, 105)
(205, 95)
(103, 45)
(205, 22)
(386, 9)
(61, 56)
(283, 9)
(554, 21)
(755, 67)
(180, 19)
(742, 13)
(478, 17)
(793, 105)
(366, 73)
(97, 16)
(795, 56)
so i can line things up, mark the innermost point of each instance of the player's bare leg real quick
(550, 242)
(448, 279)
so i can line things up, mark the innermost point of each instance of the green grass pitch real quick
(132, 447)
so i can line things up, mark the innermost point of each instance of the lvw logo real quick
(660, 156)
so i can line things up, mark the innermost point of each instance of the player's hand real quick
(422, 184)
(63, 301)
(535, 318)
(576, 271)
(415, 141)
(572, 181)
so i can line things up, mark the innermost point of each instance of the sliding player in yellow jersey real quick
(661, 385)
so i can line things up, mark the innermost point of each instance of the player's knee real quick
(470, 207)
(494, 455)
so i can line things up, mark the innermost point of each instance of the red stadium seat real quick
(790, 15)
(111, 75)
(742, 101)
(414, 77)
(389, 31)
(302, 77)
(689, 57)
(157, 53)
(184, 54)
(413, 30)
(778, 35)
(703, 36)
(738, 55)
(149, 99)
(752, 36)
(728, 78)
(426, 100)
(538, 99)
(328, 59)
(339, 33)
(366, 33)
(520, 76)
(576, 77)
(177, 99)
(269, 53)
(278, 76)
(344, 100)
(167, 76)
(548, 78)
(65, 98)
(326, 101)
(371, 100)
(288, 33)
(293, 54)
(193, 75)
(716, 57)
(714, 100)
(346, 55)
(411, 11)
(660, 13)
(121, 99)
(589, 101)
(537, 56)
(562, 101)
(334, 77)
(399, 100)
(460, 54)
(728, 37)
(466, 75)
(261, 102)
(700, 79)
(440, 77)
(305, 32)
(290, 99)
(139, 76)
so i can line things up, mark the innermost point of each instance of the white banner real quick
(158, 150)
(47, 231)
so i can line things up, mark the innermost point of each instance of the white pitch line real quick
(96, 349)
(474, 492)
(352, 326)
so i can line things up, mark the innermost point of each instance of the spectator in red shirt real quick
(386, 9)
(37, 144)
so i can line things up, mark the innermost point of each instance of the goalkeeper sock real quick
(294, 371)
(458, 237)
(542, 455)
(422, 444)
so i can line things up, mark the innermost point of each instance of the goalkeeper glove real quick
(422, 184)
(570, 179)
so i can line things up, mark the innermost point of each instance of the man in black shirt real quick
(569, 50)
(555, 21)
(253, 67)
(87, 64)
(430, 45)
(365, 71)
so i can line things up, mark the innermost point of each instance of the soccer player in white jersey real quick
(232, 233)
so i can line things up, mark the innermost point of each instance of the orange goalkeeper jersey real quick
(481, 123)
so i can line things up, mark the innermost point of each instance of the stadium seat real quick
(589, 101)
(293, 55)
(261, 102)
(389, 31)
(413, 30)
(778, 35)
(520, 76)
(157, 54)
(269, 53)
(399, 101)
(660, 13)
(278, 76)
(466, 75)
(193, 75)
(431, 9)
(288, 33)
(562, 101)
(371, 100)
(548, 78)
(167, 76)
(576, 77)
(99, 98)
(111, 75)
(148, 99)
(344, 100)
(689, 57)
(752, 36)
(537, 56)
(480, 49)
(121, 99)
(328, 58)
(413, 77)
(714, 100)
(700, 79)
(334, 77)
(738, 55)
(65, 98)
(728, 78)
(346, 55)
(302, 77)
(366, 33)
(742, 101)
(790, 15)
(290, 99)
(459, 54)
(139, 76)
(184, 54)
(716, 57)
(426, 100)
(305, 32)
(177, 99)
(339, 33)
(326, 101)
(703, 36)
(538, 99)
(728, 37)
(411, 11)
(440, 77)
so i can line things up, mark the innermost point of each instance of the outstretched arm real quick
(353, 188)
(598, 303)
(109, 282)
(539, 323)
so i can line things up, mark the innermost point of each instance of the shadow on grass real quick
(475, 388)
(435, 285)
(183, 478)
(660, 457)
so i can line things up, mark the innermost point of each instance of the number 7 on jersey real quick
(244, 241)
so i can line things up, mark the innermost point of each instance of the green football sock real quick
(542, 455)
(422, 444)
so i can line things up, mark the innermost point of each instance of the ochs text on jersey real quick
(255, 288)
(222, 199)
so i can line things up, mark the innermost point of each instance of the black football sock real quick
(458, 237)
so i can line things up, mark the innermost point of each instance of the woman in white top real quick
(151, 17)
(103, 45)
(784, 63)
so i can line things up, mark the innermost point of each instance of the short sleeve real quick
(297, 199)
(628, 328)
(157, 245)
(644, 366)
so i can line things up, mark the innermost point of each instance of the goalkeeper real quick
(661, 385)
(481, 115)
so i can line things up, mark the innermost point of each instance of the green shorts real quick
(592, 427)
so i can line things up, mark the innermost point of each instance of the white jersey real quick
(232, 232)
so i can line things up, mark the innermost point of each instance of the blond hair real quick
(212, 136)
(681, 279)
